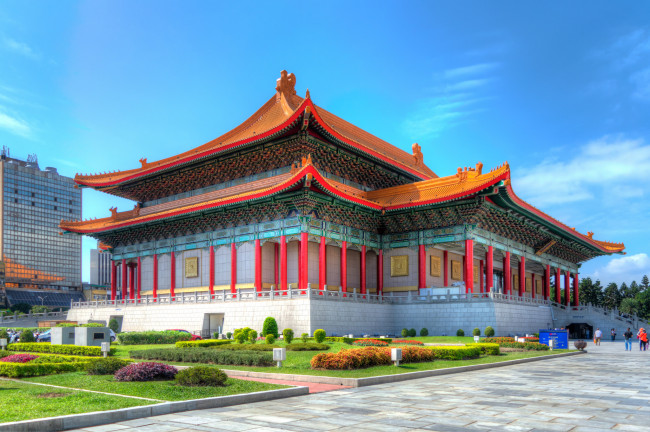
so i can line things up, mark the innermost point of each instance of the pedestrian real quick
(642, 336)
(628, 339)
(613, 335)
(597, 336)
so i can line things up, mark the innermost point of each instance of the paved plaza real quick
(607, 389)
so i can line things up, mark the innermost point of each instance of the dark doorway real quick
(580, 331)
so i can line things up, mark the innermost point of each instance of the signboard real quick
(560, 338)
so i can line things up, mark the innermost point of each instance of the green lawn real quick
(22, 401)
(161, 390)
(124, 350)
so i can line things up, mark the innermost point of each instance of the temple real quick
(295, 198)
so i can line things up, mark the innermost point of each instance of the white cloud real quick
(610, 166)
(14, 125)
(20, 48)
(470, 70)
(624, 269)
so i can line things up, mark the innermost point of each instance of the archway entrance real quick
(580, 331)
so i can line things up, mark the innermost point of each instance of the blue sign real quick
(560, 338)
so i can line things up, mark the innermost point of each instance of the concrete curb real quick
(75, 421)
(385, 379)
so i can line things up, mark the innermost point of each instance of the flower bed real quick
(407, 342)
(46, 347)
(497, 340)
(367, 357)
(370, 343)
(18, 358)
(527, 346)
(146, 372)
(529, 339)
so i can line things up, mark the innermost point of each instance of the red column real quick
(469, 265)
(258, 265)
(139, 278)
(489, 277)
(547, 282)
(113, 280)
(344, 266)
(172, 285)
(363, 270)
(522, 276)
(276, 261)
(576, 290)
(567, 287)
(155, 276)
(299, 263)
(558, 279)
(211, 281)
(124, 279)
(131, 282)
(283, 263)
(445, 268)
(233, 268)
(422, 268)
(304, 260)
(322, 264)
(380, 272)
(480, 275)
(507, 278)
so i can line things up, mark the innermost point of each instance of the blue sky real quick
(560, 92)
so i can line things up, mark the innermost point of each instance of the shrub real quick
(228, 335)
(413, 333)
(320, 335)
(27, 336)
(307, 347)
(476, 332)
(19, 358)
(456, 352)
(528, 346)
(304, 337)
(148, 371)
(498, 340)
(208, 355)
(460, 332)
(405, 332)
(270, 326)
(424, 332)
(407, 342)
(40, 309)
(21, 307)
(240, 337)
(243, 331)
(489, 331)
(252, 336)
(113, 325)
(4, 334)
(152, 337)
(202, 343)
(202, 376)
(246, 347)
(46, 347)
(105, 366)
(367, 357)
(487, 348)
(18, 370)
(270, 338)
(370, 342)
(288, 335)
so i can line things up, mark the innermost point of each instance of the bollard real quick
(396, 355)
(279, 355)
(106, 347)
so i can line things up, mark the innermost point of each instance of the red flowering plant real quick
(498, 340)
(148, 371)
(407, 342)
(367, 357)
(19, 358)
(370, 343)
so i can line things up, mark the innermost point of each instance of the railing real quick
(31, 316)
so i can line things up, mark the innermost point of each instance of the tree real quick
(270, 326)
(612, 296)
(625, 291)
(629, 306)
(21, 307)
(589, 292)
(634, 289)
(643, 304)
(645, 282)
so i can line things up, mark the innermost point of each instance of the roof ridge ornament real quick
(286, 83)
(417, 155)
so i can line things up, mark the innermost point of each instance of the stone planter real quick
(580, 344)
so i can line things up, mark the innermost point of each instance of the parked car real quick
(113, 336)
(45, 337)
(194, 337)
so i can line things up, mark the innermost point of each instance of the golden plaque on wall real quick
(529, 285)
(456, 271)
(399, 265)
(192, 267)
(515, 282)
(476, 276)
(435, 266)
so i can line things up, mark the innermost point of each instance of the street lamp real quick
(42, 299)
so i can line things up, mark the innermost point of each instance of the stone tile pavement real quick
(607, 389)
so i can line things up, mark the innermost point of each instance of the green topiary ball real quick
(270, 339)
(489, 331)
(27, 336)
(320, 335)
(460, 332)
(304, 337)
(288, 335)
(412, 333)
(270, 326)
(405, 332)
(252, 336)
(476, 332)
(424, 332)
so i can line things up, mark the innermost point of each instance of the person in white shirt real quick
(597, 336)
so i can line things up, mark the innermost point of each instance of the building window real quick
(33, 204)
(55, 208)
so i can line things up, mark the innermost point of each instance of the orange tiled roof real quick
(465, 183)
(275, 115)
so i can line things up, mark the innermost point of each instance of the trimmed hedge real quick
(309, 346)
(368, 357)
(406, 342)
(202, 343)
(454, 352)
(207, 355)
(498, 340)
(152, 337)
(20, 370)
(202, 376)
(487, 348)
(247, 347)
(105, 366)
(528, 346)
(46, 347)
